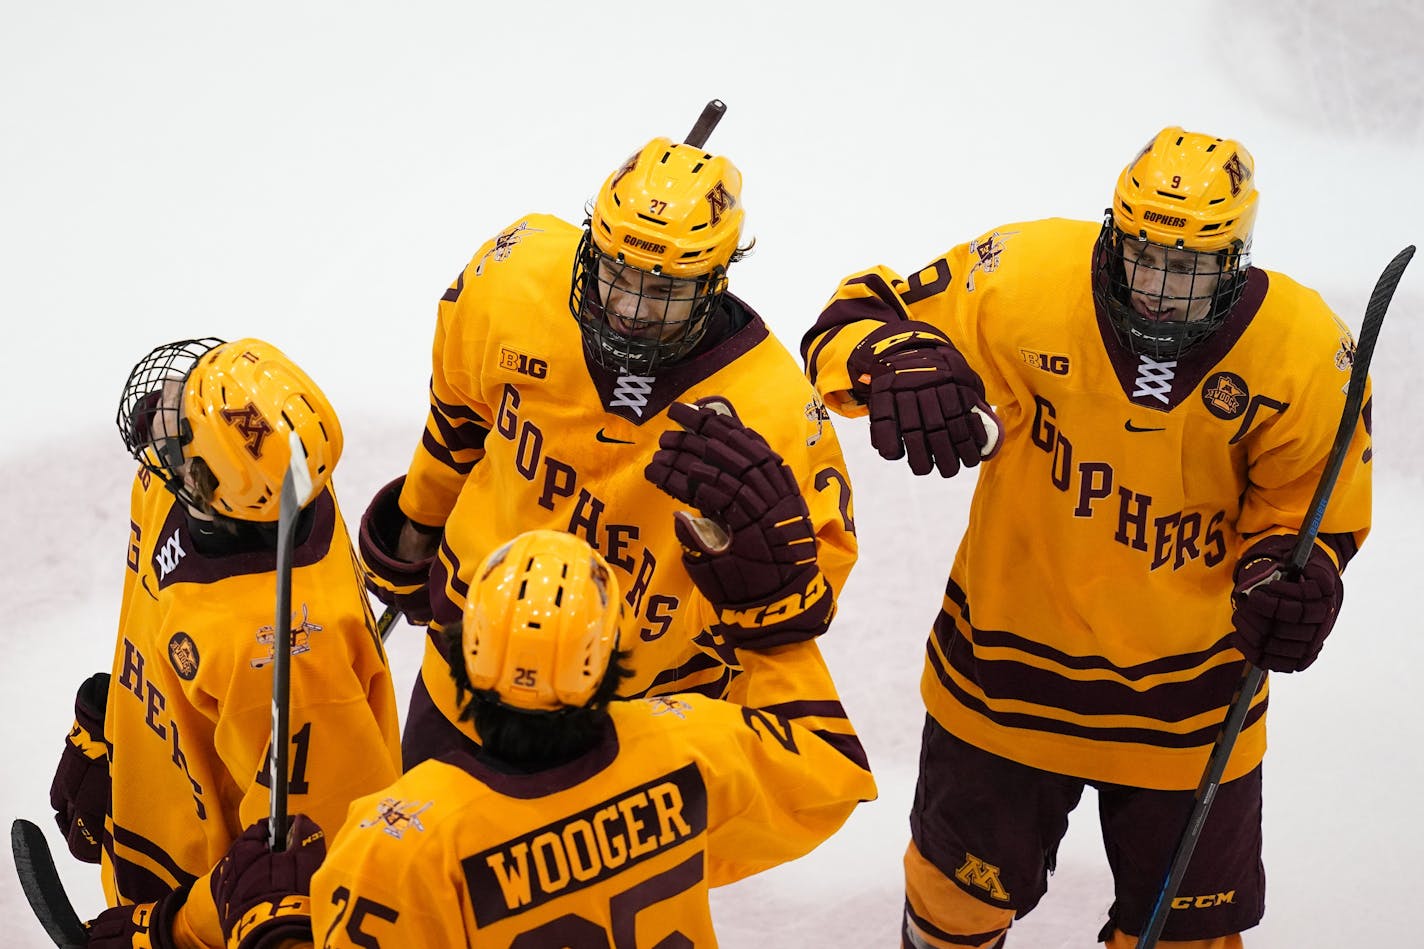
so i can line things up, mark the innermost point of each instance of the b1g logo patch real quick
(183, 653)
(522, 363)
(1055, 363)
(1226, 396)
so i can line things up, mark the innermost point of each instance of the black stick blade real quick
(706, 122)
(43, 888)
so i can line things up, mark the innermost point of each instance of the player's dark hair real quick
(528, 740)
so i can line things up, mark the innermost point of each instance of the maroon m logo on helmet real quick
(719, 202)
(619, 175)
(1236, 171)
(251, 425)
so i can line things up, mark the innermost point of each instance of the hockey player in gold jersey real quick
(547, 402)
(1163, 412)
(173, 742)
(581, 821)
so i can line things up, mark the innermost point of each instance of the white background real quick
(315, 173)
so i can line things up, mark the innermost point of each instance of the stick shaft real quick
(711, 114)
(1252, 677)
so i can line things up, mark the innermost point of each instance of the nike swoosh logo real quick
(1133, 428)
(609, 440)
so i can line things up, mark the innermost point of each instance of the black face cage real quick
(650, 347)
(150, 416)
(1161, 339)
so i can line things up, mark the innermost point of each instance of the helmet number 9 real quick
(1176, 181)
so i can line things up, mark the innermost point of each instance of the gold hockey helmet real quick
(663, 230)
(541, 622)
(1190, 191)
(230, 405)
(670, 209)
(1194, 197)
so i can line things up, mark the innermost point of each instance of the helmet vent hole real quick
(523, 586)
(1174, 197)
(1216, 200)
(1211, 147)
(697, 167)
(559, 597)
(616, 200)
(649, 219)
(697, 227)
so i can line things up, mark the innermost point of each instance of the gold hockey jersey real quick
(1086, 621)
(525, 433)
(188, 719)
(618, 847)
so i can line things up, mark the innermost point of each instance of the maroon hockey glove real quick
(752, 553)
(263, 897)
(395, 582)
(138, 926)
(79, 792)
(925, 401)
(1281, 624)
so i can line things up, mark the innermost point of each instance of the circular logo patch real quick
(1225, 395)
(183, 653)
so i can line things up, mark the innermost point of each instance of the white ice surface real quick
(315, 173)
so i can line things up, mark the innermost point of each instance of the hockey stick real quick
(711, 114)
(43, 887)
(1252, 677)
(296, 491)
